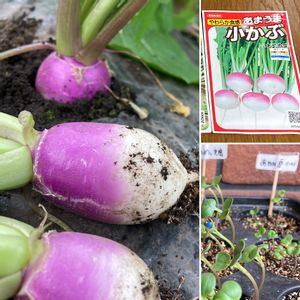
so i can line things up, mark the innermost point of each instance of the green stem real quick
(228, 218)
(216, 241)
(220, 54)
(232, 57)
(221, 236)
(96, 19)
(85, 8)
(263, 271)
(25, 49)
(68, 27)
(91, 52)
(209, 265)
(245, 272)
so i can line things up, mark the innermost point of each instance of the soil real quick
(211, 257)
(280, 223)
(292, 296)
(188, 204)
(286, 267)
(17, 83)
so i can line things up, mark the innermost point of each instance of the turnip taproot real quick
(256, 101)
(239, 82)
(284, 102)
(66, 80)
(271, 83)
(107, 172)
(68, 266)
(226, 99)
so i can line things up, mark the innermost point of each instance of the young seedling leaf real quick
(208, 284)
(272, 234)
(297, 251)
(237, 252)
(230, 290)
(249, 253)
(208, 208)
(281, 193)
(254, 211)
(216, 180)
(286, 241)
(260, 232)
(226, 208)
(276, 200)
(222, 262)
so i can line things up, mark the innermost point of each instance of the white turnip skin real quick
(285, 102)
(271, 83)
(256, 101)
(107, 172)
(65, 80)
(239, 82)
(226, 99)
(69, 266)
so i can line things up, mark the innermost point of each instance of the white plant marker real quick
(280, 162)
(211, 152)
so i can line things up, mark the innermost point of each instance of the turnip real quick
(74, 70)
(68, 266)
(271, 83)
(226, 99)
(239, 82)
(270, 80)
(256, 101)
(107, 172)
(285, 102)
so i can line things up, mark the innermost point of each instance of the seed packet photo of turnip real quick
(253, 74)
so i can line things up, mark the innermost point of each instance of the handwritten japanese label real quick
(277, 162)
(214, 151)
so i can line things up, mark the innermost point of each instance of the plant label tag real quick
(277, 162)
(214, 151)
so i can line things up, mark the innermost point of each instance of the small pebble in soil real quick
(292, 296)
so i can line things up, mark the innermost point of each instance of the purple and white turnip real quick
(106, 172)
(68, 265)
(75, 71)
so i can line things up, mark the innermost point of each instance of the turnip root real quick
(65, 80)
(271, 83)
(239, 82)
(226, 99)
(256, 101)
(107, 172)
(284, 102)
(69, 265)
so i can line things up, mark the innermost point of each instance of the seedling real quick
(254, 212)
(229, 290)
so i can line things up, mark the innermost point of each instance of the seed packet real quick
(252, 72)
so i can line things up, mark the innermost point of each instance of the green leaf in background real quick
(148, 36)
(185, 13)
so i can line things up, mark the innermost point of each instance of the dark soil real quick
(172, 294)
(292, 296)
(188, 204)
(280, 223)
(287, 267)
(17, 83)
(211, 257)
